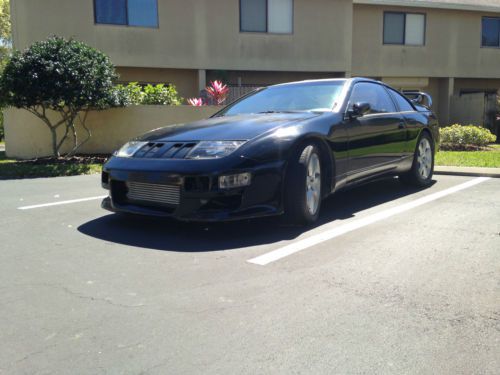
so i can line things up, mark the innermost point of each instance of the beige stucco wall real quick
(269, 78)
(195, 34)
(467, 109)
(185, 80)
(452, 48)
(27, 137)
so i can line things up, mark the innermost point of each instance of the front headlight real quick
(214, 149)
(129, 149)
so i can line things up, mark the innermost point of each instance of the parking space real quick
(391, 280)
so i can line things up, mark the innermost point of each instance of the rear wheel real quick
(303, 188)
(422, 168)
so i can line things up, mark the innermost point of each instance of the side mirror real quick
(359, 109)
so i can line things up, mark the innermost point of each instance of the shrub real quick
(218, 92)
(65, 76)
(135, 94)
(130, 94)
(470, 137)
(161, 94)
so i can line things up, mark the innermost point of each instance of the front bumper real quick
(200, 198)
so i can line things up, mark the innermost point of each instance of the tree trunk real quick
(55, 146)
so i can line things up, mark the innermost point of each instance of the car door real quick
(377, 140)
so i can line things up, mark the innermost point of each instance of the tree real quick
(5, 45)
(5, 33)
(66, 76)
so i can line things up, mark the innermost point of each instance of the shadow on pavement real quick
(170, 235)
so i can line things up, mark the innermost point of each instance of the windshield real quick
(307, 96)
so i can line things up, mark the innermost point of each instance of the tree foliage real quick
(5, 45)
(5, 31)
(66, 76)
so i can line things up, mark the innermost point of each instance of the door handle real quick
(402, 125)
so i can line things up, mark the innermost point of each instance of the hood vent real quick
(165, 150)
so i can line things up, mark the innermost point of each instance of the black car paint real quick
(354, 149)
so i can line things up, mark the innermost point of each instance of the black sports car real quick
(280, 149)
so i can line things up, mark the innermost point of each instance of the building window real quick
(266, 16)
(127, 12)
(404, 28)
(491, 32)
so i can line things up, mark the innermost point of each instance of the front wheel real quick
(422, 168)
(303, 187)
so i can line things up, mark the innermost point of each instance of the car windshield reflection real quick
(296, 98)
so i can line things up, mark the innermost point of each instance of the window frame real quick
(267, 21)
(393, 93)
(127, 24)
(382, 87)
(481, 37)
(404, 30)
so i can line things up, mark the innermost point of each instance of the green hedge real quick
(470, 137)
(135, 94)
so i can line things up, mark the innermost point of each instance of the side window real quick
(403, 103)
(375, 95)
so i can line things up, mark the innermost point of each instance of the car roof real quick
(351, 80)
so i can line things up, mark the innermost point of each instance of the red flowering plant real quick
(217, 91)
(196, 102)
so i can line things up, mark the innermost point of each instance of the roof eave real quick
(431, 4)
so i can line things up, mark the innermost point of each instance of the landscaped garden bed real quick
(468, 146)
(50, 167)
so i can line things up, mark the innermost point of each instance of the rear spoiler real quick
(419, 98)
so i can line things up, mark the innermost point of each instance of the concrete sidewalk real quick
(467, 171)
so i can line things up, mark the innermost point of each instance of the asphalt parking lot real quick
(392, 280)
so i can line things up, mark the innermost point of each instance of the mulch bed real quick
(454, 147)
(73, 160)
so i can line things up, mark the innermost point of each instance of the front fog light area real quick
(235, 180)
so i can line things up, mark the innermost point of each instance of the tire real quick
(422, 168)
(303, 186)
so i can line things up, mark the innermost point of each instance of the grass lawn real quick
(489, 158)
(11, 168)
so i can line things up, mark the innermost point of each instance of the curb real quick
(468, 171)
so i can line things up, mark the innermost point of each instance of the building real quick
(446, 47)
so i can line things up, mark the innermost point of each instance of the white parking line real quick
(306, 243)
(61, 202)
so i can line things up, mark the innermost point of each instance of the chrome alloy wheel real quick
(424, 158)
(313, 184)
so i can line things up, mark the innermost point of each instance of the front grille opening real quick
(199, 184)
(105, 178)
(119, 192)
(165, 150)
(144, 150)
(172, 150)
(232, 202)
(153, 194)
(184, 150)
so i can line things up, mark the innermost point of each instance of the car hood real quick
(230, 128)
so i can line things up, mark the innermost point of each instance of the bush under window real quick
(470, 137)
